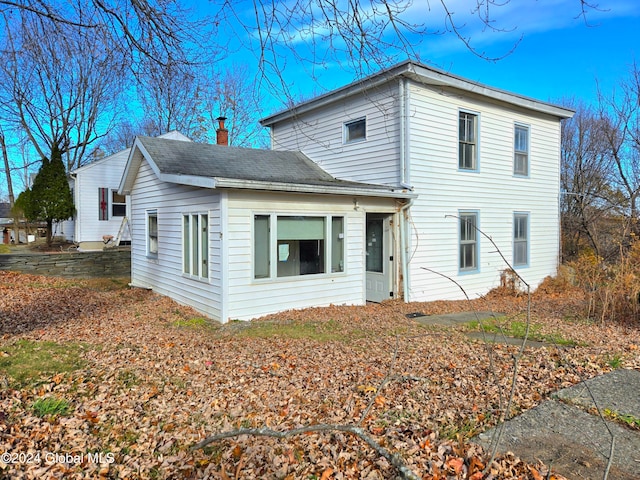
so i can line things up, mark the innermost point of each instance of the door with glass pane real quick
(379, 262)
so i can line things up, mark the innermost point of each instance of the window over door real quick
(468, 141)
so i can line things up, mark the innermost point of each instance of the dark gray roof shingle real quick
(211, 161)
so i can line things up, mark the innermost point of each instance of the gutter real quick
(318, 189)
(404, 181)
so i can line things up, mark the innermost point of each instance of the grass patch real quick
(4, 248)
(628, 420)
(614, 361)
(517, 329)
(329, 331)
(194, 322)
(50, 406)
(28, 361)
(128, 379)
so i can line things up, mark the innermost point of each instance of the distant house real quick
(100, 210)
(371, 192)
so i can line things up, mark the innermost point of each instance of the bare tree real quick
(234, 94)
(56, 92)
(171, 96)
(620, 116)
(587, 199)
(156, 29)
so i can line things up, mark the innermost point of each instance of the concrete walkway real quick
(563, 434)
(566, 432)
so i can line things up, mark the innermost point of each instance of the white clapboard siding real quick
(249, 297)
(432, 169)
(320, 135)
(164, 273)
(104, 173)
(494, 192)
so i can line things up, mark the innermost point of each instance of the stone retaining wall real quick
(107, 263)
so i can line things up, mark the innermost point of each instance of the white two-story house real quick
(482, 161)
(395, 186)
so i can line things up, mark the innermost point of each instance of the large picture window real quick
(468, 241)
(302, 245)
(468, 141)
(520, 239)
(195, 244)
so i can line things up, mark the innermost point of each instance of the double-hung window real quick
(118, 204)
(195, 244)
(468, 141)
(355, 131)
(520, 239)
(468, 256)
(297, 245)
(521, 150)
(152, 233)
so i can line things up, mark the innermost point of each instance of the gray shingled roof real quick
(218, 161)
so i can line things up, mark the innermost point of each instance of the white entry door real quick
(379, 262)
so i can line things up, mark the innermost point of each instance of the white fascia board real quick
(315, 189)
(133, 164)
(419, 74)
(190, 180)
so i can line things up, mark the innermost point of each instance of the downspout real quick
(404, 182)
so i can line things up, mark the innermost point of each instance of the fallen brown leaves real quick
(151, 390)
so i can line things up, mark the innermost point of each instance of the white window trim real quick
(203, 266)
(273, 246)
(149, 252)
(476, 167)
(476, 268)
(527, 216)
(528, 151)
(112, 204)
(345, 131)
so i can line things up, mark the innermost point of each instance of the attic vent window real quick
(355, 131)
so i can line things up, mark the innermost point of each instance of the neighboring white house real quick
(396, 172)
(99, 208)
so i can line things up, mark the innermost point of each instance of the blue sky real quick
(559, 53)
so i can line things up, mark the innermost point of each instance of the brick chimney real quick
(222, 134)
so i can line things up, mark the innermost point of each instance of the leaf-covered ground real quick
(154, 378)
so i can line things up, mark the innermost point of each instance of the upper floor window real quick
(195, 244)
(356, 130)
(152, 233)
(520, 239)
(468, 241)
(521, 150)
(118, 204)
(468, 141)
